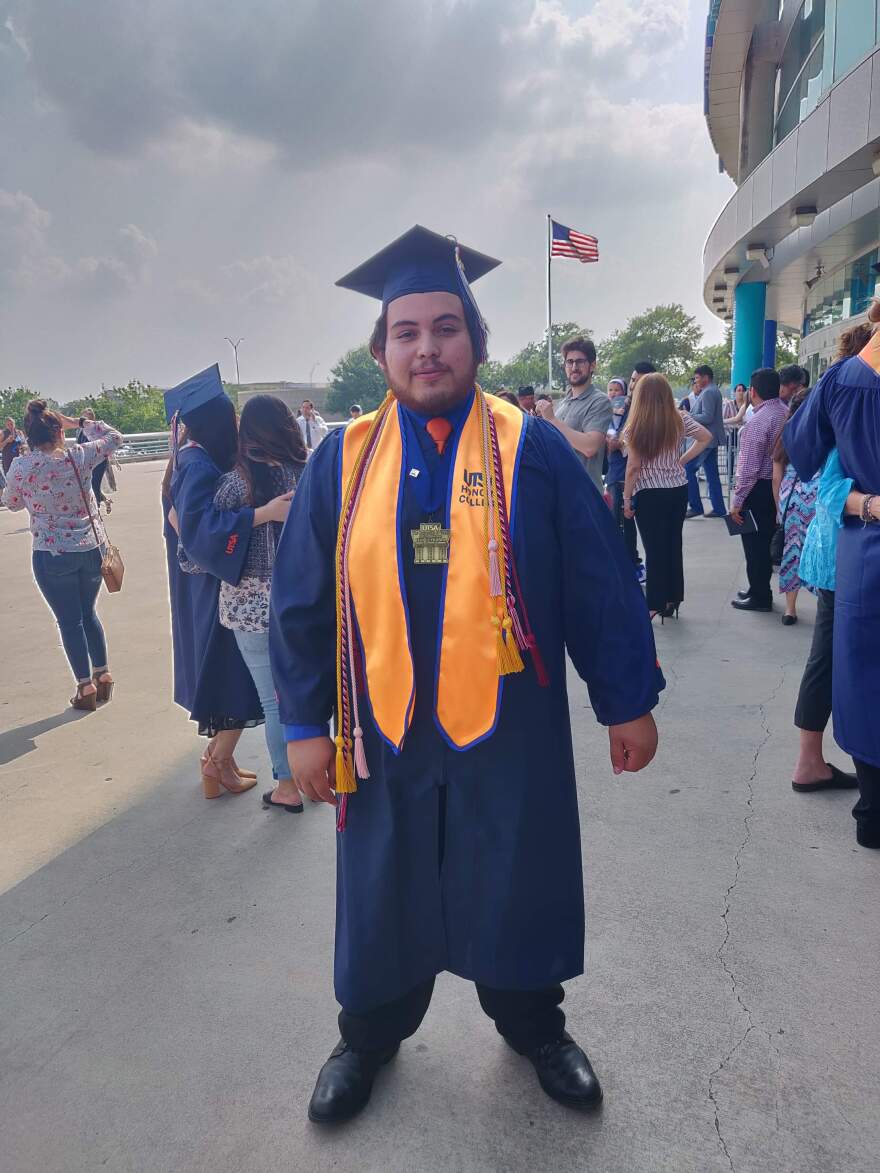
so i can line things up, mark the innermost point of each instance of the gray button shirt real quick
(588, 412)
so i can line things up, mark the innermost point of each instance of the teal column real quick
(749, 304)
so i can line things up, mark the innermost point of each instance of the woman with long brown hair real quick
(54, 484)
(271, 457)
(655, 490)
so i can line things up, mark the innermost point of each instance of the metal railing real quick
(138, 446)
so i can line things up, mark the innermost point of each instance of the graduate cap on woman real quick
(194, 392)
(422, 261)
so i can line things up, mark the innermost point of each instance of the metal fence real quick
(138, 446)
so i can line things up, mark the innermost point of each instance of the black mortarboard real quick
(194, 392)
(420, 261)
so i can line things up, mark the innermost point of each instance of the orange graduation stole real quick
(485, 627)
(871, 353)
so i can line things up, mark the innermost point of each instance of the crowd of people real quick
(365, 574)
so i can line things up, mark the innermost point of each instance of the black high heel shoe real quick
(668, 612)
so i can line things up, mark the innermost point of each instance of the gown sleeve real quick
(809, 435)
(302, 615)
(607, 627)
(216, 539)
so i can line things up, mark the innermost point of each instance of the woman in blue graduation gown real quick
(204, 545)
(844, 412)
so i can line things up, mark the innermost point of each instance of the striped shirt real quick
(664, 471)
(756, 443)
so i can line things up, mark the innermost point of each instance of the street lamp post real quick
(312, 373)
(235, 346)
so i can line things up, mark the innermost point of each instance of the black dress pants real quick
(867, 809)
(526, 1018)
(759, 564)
(660, 514)
(626, 525)
(813, 708)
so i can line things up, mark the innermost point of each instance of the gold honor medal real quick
(431, 544)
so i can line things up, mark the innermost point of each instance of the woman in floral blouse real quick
(49, 482)
(271, 457)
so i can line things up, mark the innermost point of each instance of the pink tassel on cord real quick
(360, 755)
(494, 572)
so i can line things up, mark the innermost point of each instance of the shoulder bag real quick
(112, 566)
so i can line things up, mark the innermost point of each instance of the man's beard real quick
(434, 400)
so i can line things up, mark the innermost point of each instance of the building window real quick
(846, 293)
(800, 80)
(855, 33)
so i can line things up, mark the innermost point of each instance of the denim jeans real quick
(70, 583)
(254, 648)
(708, 461)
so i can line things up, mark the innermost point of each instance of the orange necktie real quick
(438, 429)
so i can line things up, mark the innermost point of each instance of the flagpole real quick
(549, 306)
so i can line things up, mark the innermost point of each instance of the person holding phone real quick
(754, 487)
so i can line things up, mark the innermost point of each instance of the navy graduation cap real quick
(422, 261)
(194, 392)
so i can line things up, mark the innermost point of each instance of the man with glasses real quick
(584, 415)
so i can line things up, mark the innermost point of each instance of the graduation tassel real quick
(360, 754)
(537, 660)
(345, 780)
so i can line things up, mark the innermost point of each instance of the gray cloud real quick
(332, 81)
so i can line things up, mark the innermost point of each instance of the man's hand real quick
(735, 515)
(633, 745)
(544, 408)
(313, 765)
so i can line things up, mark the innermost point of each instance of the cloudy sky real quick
(174, 171)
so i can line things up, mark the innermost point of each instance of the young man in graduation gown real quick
(449, 549)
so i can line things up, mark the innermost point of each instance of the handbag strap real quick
(85, 498)
(788, 500)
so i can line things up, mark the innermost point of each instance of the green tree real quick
(133, 408)
(786, 348)
(719, 357)
(356, 378)
(664, 335)
(14, 400)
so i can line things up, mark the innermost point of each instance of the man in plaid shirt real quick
(754, 490)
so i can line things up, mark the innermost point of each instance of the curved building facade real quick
(792, 101)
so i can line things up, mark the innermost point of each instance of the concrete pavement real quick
(165, 963)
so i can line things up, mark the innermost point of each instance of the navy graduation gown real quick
(211, 680)
(469, 861)
(844, 412)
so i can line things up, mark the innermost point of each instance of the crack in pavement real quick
(720, 953)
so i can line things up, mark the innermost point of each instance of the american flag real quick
(568, 242)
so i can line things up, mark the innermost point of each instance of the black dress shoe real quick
(565, 1073)
(345, 1083)
(713, 514)
(747, 594)
(867, 834)
(838, 781)
(750, 605)
(691, 513)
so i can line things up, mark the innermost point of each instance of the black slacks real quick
(526, 1018)
(660, 514)
(626, 525)
(813, 708)
(759, 564)
(867, 809)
